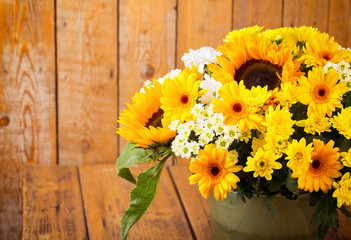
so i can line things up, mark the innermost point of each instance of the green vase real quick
(234, 219)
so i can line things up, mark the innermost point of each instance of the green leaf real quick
(267, 202)
(291, 183)
(275, 184)
(141, 196)
(130, 156)
(326, 215)
(344, 211)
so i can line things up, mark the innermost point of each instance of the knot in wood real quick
(4, 121)
(149, 71)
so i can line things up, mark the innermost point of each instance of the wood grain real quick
(339, 24)
(52, 203)
(106, 198)
(202, 23)
(147, 36)
(312, 13)
(27, 100)
(267, 13)
(87, 81)
(196, 206)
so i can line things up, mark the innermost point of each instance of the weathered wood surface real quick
(339, 24)
(106, 198)
(196, 207)
(52, 203)
(202, 23)
(267, 13)
(27, 100)
(87, 81)
(147, 43)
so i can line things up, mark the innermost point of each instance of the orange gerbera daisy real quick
(236, 106)
(214, 170)
(321, 92)
(143, 122)
(322, 170)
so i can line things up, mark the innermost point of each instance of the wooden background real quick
(68, 67)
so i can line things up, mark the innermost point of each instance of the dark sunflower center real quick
(316, 164)
(259, 73)
(155, 119)
(321, 92)
(215, 171)
(184, 99)
(237, 107)
(262, 164)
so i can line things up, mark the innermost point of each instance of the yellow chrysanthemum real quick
(315, 123)
(235, 106)
(276, 144)
(279, 122)
(255, 61)
(323, 169)
(346, 158)
(321, 93)
(298, 156)
(258, 96)
(343, 190)
(298, 37)
(244, 32)
(262, 164)
(278, 34)
(214, 170)
(143, 122)
(321, 49)
(287, 96)
(342, 122)
(257, 143)
(180, 95)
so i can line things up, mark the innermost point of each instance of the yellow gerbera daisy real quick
(321, 92)
(235, 106)
(298, 156)
(214, 170)
(180, 95)
(343, 190)
(262, 164)
(346, 158)
(255, 61)
(323, 169)
(279, 122)
(342, 122)
(315, 123)
(321, 49)
(143, 122)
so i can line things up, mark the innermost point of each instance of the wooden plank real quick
(202, 23)
(312, 13)
(339, 24)
(52, 203)
(27, 100)
(196, 206)
(87, 81)
(147, 36)
(267, 13)
(106, 198)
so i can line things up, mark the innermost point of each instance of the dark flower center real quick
(321, 92)
(184, 99)
(155, 119)
(237, 107)
(215, 171)
(259, 73)
(262, 164)
(326, 55)
(316, 164)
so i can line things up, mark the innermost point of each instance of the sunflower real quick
(322, 93)
(343, 190)
(214, 170)
(321, 49)
(180, 95)
(298, 156)
(262, 164)
(342, 122)
(235, 106)
(256, 62)
(322, 170)
(143, 122)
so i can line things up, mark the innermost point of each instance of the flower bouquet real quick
(266, 114)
